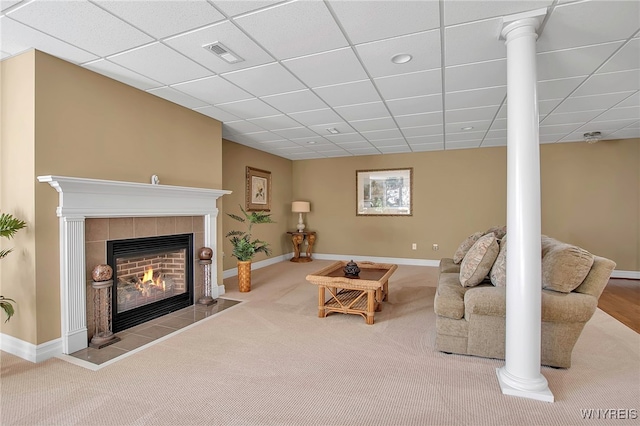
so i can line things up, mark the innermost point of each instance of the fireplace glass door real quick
(152, 277)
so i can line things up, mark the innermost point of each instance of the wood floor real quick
(621, 300)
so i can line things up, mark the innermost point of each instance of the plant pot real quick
(244, 276)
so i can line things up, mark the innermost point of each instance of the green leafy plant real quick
(244, 248)
(9, 225)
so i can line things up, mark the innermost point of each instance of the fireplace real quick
(153, 276)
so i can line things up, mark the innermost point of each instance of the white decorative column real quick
(521, 375)
(82, 198)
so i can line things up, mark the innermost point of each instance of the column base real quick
(537, 389)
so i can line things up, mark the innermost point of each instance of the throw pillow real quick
(564, 267)
(499, 231)
(478, 260)
(465, 246)
(498, 272)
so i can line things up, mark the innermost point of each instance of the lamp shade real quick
(300, 207)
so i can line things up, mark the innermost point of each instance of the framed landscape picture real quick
(258, 190)
(384, 192)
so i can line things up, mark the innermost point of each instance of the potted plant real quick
(9, 225)
(244, 247)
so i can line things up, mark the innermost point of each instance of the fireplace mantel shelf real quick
(81, 198)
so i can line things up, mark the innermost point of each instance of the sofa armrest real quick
(447, 266)
(449, 300)
(567, 307)
(597, 278)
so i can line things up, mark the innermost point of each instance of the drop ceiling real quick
(310, 66)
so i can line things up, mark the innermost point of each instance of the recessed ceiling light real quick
(311, 142)
(592, 137)
(222, 52)
(401, 58)
(333, 131)
(467, 128)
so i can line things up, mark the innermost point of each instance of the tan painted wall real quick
(236, 158)
(17, 140)
(589, 197)
(87, 125)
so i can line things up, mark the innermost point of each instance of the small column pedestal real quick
(205, 255)
(102, 283)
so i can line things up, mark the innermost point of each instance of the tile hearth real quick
(133, 339)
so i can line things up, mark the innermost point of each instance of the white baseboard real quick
(629, 275)
(395, 260)
(257, 265)
(29, 351)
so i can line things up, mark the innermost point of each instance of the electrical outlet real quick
(435, 247)
(414, 246)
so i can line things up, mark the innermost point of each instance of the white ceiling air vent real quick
(220, 50)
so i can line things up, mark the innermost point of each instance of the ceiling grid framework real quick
(313, 65)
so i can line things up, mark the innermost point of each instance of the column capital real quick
(532, 19)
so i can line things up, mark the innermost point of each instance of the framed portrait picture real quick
(258, 190)
(384, 192)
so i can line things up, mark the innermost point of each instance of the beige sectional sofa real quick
(471, 320)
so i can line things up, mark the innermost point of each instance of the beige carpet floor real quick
(272, 361)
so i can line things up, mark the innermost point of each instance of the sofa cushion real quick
(498, 272)
(478, 261)
(564, 266)
(447, 265)
(498, 231)
(465, 246)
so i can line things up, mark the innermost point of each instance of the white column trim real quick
(81, 198)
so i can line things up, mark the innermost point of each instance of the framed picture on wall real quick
(385, 192)
(258, 190)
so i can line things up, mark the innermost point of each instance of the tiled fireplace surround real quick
(100, 230)
(90, 211)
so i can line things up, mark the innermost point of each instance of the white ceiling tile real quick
(373, 124)
(116, 72)
(471, 114)
(248, 108)
(606, 126)
(634, 125)
(589, 103)
(426, 139)
(415, 105)
(545, 107)
(241, 127)
(499, 124)
(422, 147)
(409, 85)
(570, 117)
(6, 4)
(295, 133)
(394, 149)
(621, 81)
(488, 142)
(476, 125)
(233, 8)
(265, 80)
(475, 98)
(496, 134)
(160, 63)
(551, 138)
(620, 114)
(275, 122)
(415, 120)
(364, 151)
(321, 116)
(586, 23)
(217, 113)
(627, 58)
(18, 38)
(346, 138)
(389, 142)
(375, 20)
(327, 68)
(456, 12)
(352, 145)
(3, 55)
(300, 100)
(423, 47)
(230, 36)
(163, 18)
(465, 136)
(382, 134)
(213, 90)
(573, 62)
(627, 133)
(462, 144)
(473, 42)
(558, 89)
(82, 24)
(633, 100)
(261, 137)
(412, 132)
(557, 129)
(358, 92)
(177, 97)
(310, 28)
(313, 142)
(363, 111)
(481, 74)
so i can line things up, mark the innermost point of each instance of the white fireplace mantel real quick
(81, 198)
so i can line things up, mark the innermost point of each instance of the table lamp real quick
(300, 207)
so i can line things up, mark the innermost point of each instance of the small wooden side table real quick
(297, 239)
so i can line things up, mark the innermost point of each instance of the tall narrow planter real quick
(244, 275)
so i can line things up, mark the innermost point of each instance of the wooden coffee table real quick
(360, 296)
